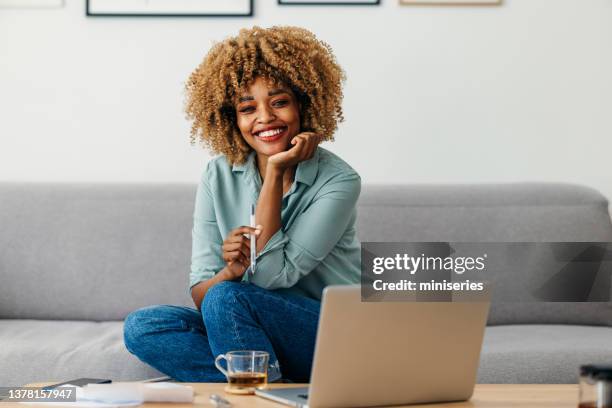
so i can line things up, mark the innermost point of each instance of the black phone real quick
(79, 382)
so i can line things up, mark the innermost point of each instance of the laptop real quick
(390, 353)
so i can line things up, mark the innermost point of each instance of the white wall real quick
(434, 94)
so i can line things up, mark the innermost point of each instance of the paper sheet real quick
(124, 394)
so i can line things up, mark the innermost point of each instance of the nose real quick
(265, 115)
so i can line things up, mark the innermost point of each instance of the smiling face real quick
(268, 117)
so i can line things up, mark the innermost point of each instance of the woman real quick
(264, 100)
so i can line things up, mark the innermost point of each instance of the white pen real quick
(253, 242)
(219, 401)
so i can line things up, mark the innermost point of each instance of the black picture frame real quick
(89, 13)
(327, 3)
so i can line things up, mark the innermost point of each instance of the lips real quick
(271, 134)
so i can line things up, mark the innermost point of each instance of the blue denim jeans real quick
(183, 342)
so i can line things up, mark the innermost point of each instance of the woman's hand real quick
(304, 146)
(237, 250)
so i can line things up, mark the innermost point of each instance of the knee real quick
(135, 327)
(221, 299)
(141, 325)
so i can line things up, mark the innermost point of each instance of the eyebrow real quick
(272, 92)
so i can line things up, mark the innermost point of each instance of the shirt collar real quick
(305, 173)
(248, 163)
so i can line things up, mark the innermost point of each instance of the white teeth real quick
(269, 133)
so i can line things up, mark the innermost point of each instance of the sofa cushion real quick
(546, 354)
(41, 351)
(36, 351)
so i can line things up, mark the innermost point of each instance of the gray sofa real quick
(76, 259)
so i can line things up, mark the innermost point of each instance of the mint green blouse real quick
(317, 244)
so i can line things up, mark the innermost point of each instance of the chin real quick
(270, 149)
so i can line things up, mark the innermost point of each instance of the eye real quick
(246, 109)
(280, 102)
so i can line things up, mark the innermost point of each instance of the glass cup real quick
(246, 370)
(595, 386)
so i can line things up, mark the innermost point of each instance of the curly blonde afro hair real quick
(291, 56)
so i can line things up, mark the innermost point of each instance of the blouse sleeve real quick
(206, 250)
(290, 255)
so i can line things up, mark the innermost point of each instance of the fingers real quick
(235, 256)
(299, 143)
(237, 246)
(303, 148)
(245, 230)
(305, 145)
(242, 246)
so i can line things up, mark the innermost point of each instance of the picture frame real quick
(33, 4)
(329, 3)
(450, 2)
(169, 8)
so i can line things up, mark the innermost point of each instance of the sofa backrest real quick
(93, 252)
(97, 252)
(522, 212)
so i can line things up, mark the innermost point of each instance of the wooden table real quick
(485, 395)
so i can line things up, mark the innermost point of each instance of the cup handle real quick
(218, 360)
